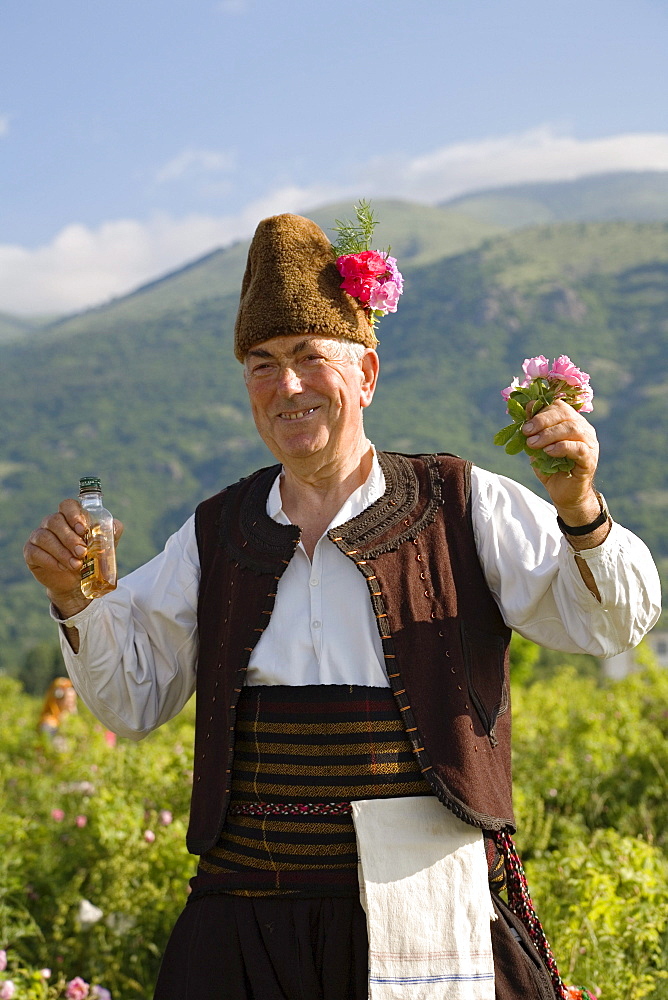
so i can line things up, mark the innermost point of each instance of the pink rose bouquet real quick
(370, 276)
(542, 384)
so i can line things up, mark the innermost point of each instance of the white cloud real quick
(4, 125)
(85, 266)
(537, 155)
(195, 162)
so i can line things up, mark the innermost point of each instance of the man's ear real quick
(370, 365)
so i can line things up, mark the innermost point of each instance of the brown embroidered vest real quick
(444, 641)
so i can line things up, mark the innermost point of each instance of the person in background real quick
(59, 702)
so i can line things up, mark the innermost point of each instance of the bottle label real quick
(88, 568)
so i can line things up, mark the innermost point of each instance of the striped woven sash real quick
(301, 755)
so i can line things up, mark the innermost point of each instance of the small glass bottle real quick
(98, 573)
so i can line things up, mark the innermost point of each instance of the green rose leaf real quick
(504, 435)
(533, 452)
(516, 410)
(548, 466)
(516, 443)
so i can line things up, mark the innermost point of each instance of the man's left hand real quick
(563, 432)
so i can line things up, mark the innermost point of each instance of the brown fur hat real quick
(292, 286)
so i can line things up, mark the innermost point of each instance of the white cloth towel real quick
(423, 885)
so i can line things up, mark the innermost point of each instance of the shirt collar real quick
(359, 500)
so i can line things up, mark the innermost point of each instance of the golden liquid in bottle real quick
(98, 573)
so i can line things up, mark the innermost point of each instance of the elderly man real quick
(346, 614)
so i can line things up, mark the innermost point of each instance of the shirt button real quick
(314, 581)
(317, 624)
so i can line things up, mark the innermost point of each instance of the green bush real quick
(591, 798)
(605, 906)
(591, 766)
(86, 821)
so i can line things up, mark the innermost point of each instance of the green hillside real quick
(418, 234)
(565, 289)
(16, 327)
(637, 196)
(147, 393)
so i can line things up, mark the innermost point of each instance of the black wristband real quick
(586, 529)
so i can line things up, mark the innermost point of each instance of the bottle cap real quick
(90, 484)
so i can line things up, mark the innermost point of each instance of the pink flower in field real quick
(3, 959)
(149, 836)
(58, 815)
(81, 821)
(165, 817)
(100, 993)
(564, 369)
(7, 990)
(537, 367)
(77, 989)
(45, 973)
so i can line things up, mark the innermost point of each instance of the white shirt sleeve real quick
(531, 570)
(137, 657)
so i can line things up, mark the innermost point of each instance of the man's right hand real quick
(54, 555)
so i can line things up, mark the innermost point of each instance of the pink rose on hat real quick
(370, 276)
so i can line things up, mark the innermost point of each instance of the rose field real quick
(94, 868)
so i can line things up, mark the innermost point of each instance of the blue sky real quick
(138, 134)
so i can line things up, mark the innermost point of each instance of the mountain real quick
(419, 234)
(16, 327)
(147, 394)
(637, 196)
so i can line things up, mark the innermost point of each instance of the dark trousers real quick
(243, 948)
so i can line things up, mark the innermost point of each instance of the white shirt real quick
(136, 664)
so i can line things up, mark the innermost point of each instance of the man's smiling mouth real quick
(297, 414)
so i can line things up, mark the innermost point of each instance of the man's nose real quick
(289, 380)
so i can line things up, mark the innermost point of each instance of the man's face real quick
(307, 398)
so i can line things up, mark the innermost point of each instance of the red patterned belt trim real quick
(521, 904)
(289, 808)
